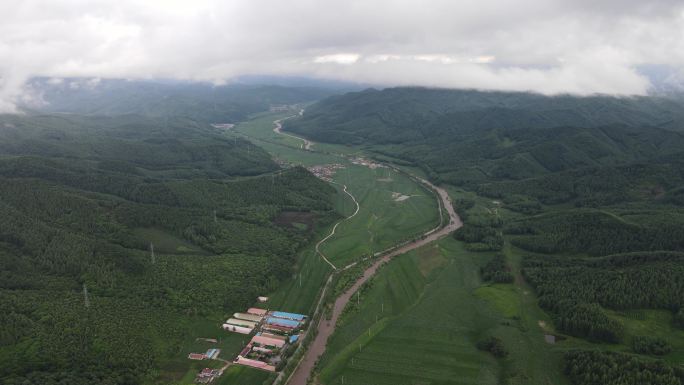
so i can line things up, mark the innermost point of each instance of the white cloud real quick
(340, 58)
(548, 46)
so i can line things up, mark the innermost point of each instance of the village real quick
(325, 171)
(274, 336)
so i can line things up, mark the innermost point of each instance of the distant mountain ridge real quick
(464, 136)
(198, 101)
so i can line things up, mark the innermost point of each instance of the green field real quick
(243, 375)
(167, 243)
(382, 221)
(431, 323)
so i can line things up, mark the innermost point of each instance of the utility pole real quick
(152, 252)
(214, 216)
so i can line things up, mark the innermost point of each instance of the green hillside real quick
(83, 201)
(467, 137)
(580, 197)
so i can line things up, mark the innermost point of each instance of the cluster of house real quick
(325, 171)
(275, 330)
(207, 375)
(211, 354)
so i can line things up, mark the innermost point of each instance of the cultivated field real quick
(382, 221)
(434, 312)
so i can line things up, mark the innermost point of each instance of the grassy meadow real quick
(381, 222)
(432, 308)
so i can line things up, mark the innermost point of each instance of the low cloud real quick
(547, 46)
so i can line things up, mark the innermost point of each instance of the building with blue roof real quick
(292, 316)
(282, 322)
(212, 353)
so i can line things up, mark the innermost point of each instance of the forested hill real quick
(141, 146)
(586, 194)
(82, 202)
(401, 115)
(199, 101)
(466, 137)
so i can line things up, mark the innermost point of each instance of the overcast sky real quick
(548, 46)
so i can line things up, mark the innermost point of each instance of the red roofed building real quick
(257, 311)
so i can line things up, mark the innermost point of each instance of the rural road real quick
(278, 127)
(344, 188)
(325, 328)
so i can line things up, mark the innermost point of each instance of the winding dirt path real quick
(325, 328)
(344, 188)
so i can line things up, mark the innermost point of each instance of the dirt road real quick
(318, 245)
(278, 128)
(325, 328)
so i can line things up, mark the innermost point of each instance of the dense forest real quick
(607, 368)
(115, 232)
(592, 188)
(576, 290)
(476, 137)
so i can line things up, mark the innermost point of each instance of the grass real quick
(504, 298)
(260, 132)
(381, 222)
(237, 374)
(429, 337)
(299, 293)
(229, 343)
(167, 243)
(422, 316)
(653, 323)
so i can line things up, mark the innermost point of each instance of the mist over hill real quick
(203, 102)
